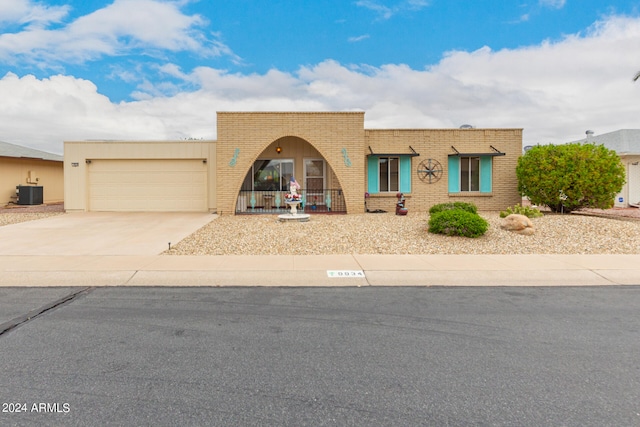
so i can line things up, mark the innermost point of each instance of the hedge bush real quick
(527, 211)
(458, 222)
(468, 207)
(570, 176)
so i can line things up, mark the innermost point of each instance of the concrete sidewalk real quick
(329, 270)
(122, 249)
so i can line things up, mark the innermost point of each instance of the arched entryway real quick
(336, 138)
(266, 182)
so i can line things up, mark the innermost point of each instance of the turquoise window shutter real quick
(454, 174)
(372, 175)
(486, 174)
(405, 174)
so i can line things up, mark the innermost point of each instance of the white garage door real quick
(148, 185)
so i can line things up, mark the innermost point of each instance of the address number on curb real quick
(345, 273)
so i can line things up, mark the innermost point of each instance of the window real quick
(389, 174)
(388, 169)
(469, 173)
(269, 175)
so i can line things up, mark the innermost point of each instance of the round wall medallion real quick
(430, 171)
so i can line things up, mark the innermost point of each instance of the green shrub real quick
(570, 176)
(527, 211)
(468, 207)
(458, 222)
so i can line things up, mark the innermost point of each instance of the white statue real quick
(292, 197)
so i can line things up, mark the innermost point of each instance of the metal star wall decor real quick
(430, 171)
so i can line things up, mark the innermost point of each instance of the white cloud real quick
(555, 91)
(417, 4)
(28, 12)
(554, 4)
(386, 12)
(117, 29)
(41, 113)
(356, 39)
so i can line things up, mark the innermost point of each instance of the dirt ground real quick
(630, 213)
(48, 208)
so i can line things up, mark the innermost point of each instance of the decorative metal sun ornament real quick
(430, 171)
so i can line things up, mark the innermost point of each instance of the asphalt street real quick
(411, 356)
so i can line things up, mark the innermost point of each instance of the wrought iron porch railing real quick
(273, 202)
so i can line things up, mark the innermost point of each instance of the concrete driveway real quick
(100, 233)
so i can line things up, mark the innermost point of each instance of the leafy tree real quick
(570, 176)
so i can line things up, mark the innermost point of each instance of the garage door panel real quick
(148, 185)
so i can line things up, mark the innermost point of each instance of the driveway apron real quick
(100, 233)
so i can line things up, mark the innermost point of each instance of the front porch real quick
(325, 201)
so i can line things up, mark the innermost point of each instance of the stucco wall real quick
(76, 154)
(631, 189)
(17, 171)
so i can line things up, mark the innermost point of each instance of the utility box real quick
(29, 195)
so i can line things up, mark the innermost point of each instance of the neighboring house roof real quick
(12, 150)
(625, 142)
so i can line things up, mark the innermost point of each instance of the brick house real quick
(331, 155)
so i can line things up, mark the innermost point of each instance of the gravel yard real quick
(614, 231)
(15, 214)
(391, 234)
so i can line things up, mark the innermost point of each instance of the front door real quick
(314, 180)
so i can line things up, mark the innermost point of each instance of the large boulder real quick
(520, 224)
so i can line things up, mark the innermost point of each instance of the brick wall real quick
(340, 138)
(436, 144)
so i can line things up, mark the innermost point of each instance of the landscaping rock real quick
(520, 224)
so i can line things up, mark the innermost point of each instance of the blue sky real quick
(160, 69)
